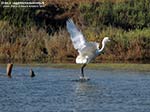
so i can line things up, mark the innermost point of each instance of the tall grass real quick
(126, 22)
(37, 45)
(125, 45)
(21, 43)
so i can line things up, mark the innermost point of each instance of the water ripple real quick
(52, 90)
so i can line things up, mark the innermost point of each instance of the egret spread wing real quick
(90, 49)
(77, 37)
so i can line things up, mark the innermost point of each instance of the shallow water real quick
(54, 90)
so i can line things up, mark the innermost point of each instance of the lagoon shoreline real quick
(96, 66)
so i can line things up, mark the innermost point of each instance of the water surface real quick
(54, 90)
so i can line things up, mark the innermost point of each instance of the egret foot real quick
(83, 79)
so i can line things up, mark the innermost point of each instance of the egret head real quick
(106, 39)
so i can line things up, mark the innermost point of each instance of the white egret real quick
(87, 50)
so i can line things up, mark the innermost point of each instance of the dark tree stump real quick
(9, 69)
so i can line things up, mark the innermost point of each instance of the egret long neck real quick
(103, 45)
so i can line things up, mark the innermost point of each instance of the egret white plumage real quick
(87, 50)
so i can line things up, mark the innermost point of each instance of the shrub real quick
(131, 14)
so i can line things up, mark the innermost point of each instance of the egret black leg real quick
(82, 70)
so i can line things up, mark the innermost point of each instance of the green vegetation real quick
(39, 34)
(106, 66)
(131, 14)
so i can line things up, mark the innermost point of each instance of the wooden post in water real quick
(9, 69)
(32, 74)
